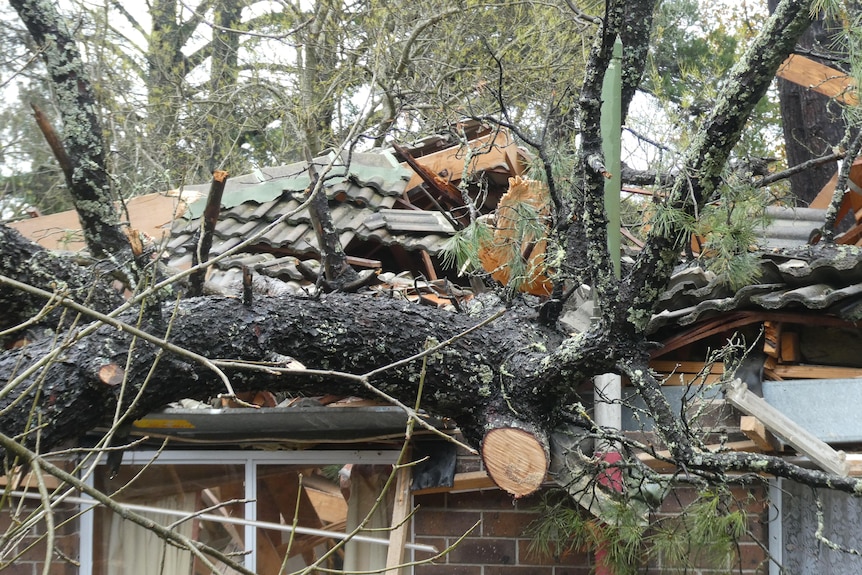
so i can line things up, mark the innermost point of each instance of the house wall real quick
(27, 556)
(499, 545)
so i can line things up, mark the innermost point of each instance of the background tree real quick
(814, 124)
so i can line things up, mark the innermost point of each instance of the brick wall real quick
(26, 556)
(499, 546)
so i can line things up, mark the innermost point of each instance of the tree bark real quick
(88, 179)
(813, 123)
(473, 381)
(29, 263)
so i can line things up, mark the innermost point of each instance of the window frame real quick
(250, 460)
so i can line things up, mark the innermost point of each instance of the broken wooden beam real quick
(756, 431)
(738, 394)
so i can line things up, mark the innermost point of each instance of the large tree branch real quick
(29, 263)
(88, 179)
(705, 160)
(494, 366)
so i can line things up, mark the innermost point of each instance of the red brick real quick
(438, 542)
(475, 551)
(430, 500)
(450, 523)
(517, 570)
(506, 523)
(530, 502)
(487, 499)
(751, 556)
(447, 570)
(678, 499)
(20, 568)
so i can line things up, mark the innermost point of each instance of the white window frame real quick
(250, 460)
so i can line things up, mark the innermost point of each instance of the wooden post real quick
(400, 512)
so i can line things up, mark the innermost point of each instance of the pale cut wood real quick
(400, 513)
(815, 372)
(754, 430)
(786, 429)
(467, 481)
(16, 480)
(820, 78)
(515, 459)
(689, 379)
(670, 366)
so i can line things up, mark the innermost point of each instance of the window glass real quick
(334, 498)
(174, 492)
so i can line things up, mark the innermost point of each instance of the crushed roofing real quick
(821, 278)
(362, 189)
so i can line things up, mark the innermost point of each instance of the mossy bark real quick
(24, 261)
(86, 173)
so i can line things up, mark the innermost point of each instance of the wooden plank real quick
(789, 349)
(771, 338)
(450, 162)
(815, 372)
(364, 262)
(468, 481)
(790, 432)
(820, 78)
(428, 264)
(754, 430)
(400, 514)
(670, 366)
(677, 379)
(28, 480)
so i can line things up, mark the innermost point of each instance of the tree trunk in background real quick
(813, 123)
(224, 67)
(166, 67)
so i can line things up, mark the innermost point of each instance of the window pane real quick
(331, 498)
(175, 492)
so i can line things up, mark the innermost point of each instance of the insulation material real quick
(517, 250)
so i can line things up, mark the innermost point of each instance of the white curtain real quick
(366, 483)
(133, 550)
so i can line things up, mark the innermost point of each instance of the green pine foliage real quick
(703, 536)
(729, 229)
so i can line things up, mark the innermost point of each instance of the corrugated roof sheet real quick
(790, 227)
(824, 278)
(360, 194)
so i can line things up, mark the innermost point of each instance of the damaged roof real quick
(821, 278)
(362, 189)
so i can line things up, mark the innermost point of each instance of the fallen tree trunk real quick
(476, 380)
(29, 263)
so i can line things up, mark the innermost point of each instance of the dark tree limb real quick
(799, 168)
(88, 179)
(333, 260)
(30, 263)
(208, 226)
(705, 160)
